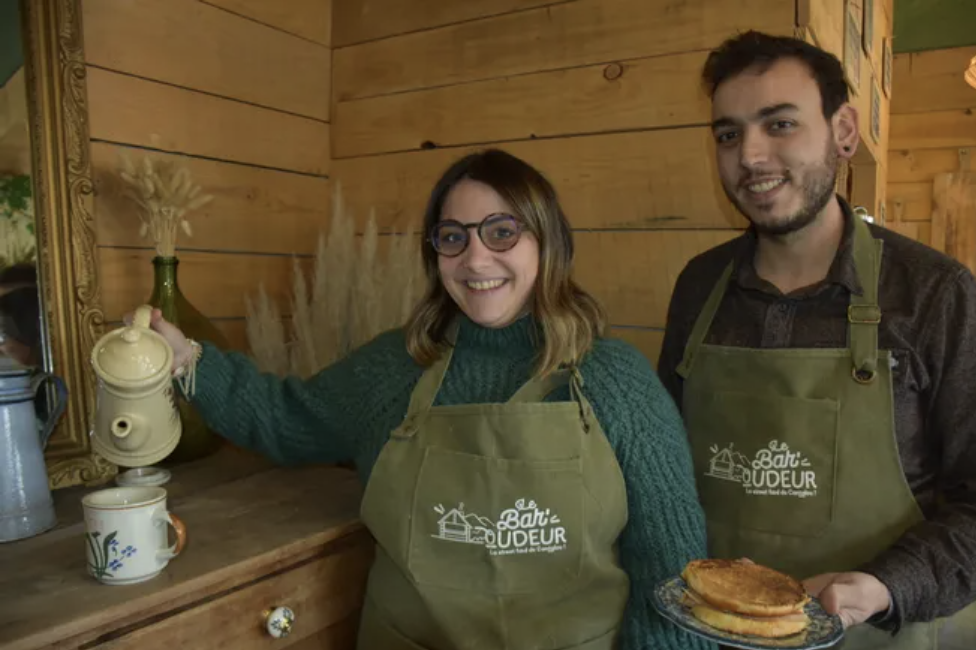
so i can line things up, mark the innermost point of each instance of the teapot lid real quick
(133, 353)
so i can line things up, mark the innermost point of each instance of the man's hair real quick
(757, 51)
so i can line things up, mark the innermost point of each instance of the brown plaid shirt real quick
(929, 324)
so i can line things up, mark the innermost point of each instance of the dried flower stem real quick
(165, 194)
(358, 289)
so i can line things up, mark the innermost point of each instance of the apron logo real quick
(526, 528)
(775, 471)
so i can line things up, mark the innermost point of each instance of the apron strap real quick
(425, 392)
(704, 322)
(863, 312)
(536, 390)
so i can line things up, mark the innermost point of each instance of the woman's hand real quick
(853, 596)
(182, 349)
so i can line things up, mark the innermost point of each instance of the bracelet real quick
(186, 372)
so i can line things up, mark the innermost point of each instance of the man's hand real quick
(855, 597)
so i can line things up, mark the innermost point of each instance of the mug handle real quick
(179, 528)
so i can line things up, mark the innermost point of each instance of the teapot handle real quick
(60, 404)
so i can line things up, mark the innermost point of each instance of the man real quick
(826, 369)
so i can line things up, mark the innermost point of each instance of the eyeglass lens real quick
(498, 232)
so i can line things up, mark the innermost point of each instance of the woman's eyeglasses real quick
(498, 232)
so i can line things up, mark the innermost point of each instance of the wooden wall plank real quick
(633, 273)
(311, 19)
(648, 341)
(235, 330)
(920, 231)
(826, 21)
(578, 33)
(650, 93)
(934, 130)
(213, 283)
(923, 164)
(648, 179)
(369, 20)
(955, 203)
(135, 111)
(193, 45)
(910, 201)
(932, 81)
(253, 209)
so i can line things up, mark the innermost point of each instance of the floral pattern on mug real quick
(106, 555)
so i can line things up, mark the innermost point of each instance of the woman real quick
(527, 481)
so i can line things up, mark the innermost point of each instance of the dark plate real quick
(824, 630)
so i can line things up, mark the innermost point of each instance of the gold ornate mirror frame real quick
(54, 66)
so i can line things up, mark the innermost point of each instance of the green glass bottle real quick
(197, 439)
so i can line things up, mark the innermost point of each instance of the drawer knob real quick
(279, 622)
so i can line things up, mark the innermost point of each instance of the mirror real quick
(49, 291)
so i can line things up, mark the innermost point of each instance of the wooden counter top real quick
(245, 521)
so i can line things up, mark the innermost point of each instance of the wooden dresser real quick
(258, 537)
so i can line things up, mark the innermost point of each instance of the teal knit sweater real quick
(346, 412)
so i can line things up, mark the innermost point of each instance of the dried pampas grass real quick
(360, 286)
(165, 194)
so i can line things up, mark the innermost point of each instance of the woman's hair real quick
(568, 317)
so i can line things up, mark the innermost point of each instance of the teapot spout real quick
(129, 431)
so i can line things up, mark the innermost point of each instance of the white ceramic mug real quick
(126, 534)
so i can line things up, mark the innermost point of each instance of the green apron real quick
(795, 453)
(496, 526)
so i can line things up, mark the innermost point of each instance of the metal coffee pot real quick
(136, 418)
(26, 508)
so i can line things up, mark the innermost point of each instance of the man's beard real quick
(817, 191)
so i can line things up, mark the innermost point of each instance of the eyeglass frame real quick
(519, 225)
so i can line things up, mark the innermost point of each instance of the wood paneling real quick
(648, 93)
(910, 201)
(128, 110)
(193, 45)
(311, 19)
(825, 21)
(648, 341)
(214, 283)
(369, 20)
(643, 180)
(933, 137)
(577, 33)
(955, 216)
(633, 273)
(934, 129)
(253, 209)
(920, 231)
(923, 164)
(235, 330)
(932, 81)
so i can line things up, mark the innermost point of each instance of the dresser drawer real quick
(325, 593)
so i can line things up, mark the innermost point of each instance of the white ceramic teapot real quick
(136, 419)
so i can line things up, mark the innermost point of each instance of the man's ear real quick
(845, 129)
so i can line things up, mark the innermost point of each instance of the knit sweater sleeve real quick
(320, 419)
(666, 525)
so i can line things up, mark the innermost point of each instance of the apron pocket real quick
(496, 526)
(765, 462)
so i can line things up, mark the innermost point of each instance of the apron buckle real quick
(407, 428)
(863, 314)
(863, 376)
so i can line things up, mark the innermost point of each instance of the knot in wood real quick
(613, 71)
